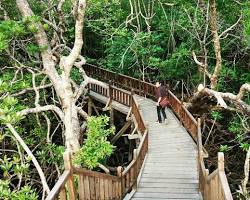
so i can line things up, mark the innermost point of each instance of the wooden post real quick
(182, 91)
(221, 161)
(199, 139)
(110, 90)
(134, 154)
(63, 195)
(119, 174)
(131, 96)
(68, 166)
(135, 171)
(89, 107)
(111, 110)
(140, 88)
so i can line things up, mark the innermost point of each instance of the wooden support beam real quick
(128, 117)
(90, 106)
(133, 137)
(111, 111)
(119, 134)
(62, 194)
(96, 111)
(135, 129)
(221, 161)
(107, 106)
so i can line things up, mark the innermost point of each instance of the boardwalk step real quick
(169, 185)
(169, 180)
(166, 195)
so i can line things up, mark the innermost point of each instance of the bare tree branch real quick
(31, 89)
(68, 62)
(39, 109)
(30, 154)
(243, 89)
(231, 27)
(246, 172)
(221, 97)
(82, 113)
(201, 65)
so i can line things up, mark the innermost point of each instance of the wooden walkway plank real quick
(170, 170)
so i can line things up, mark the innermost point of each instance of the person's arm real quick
(159, 100)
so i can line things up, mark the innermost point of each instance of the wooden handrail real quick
(147, 89)
(225, 187)
(82, 171)
(128, 178)
(213, 186)
(116, 187)
(59, 185)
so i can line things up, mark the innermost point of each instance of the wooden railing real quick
(141, 88)
(213, 186)
(184, 115)
(95, 185)
(121, 81)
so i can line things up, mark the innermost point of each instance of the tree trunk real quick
(72, 127)
(61, 83)
(216, 40)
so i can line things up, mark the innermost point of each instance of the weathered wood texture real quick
(171, 170)
(99, 186)
(213, 186)
(164, 175)
(141, 88)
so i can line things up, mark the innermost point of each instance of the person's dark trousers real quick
(159, 111)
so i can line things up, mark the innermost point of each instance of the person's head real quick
(158, 84)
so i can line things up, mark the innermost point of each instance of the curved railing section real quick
(95, 185)
(213, 186)
(142, 88)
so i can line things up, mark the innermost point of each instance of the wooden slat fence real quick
(184, 115)
(215, 183)
(142, 88)
(99, 186)
(121, 81)
(213, 186)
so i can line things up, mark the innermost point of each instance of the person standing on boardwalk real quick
(161, 94)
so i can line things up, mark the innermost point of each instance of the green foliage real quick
(96, 147)
(245, 146)
(11, 168)
(3, 87)
(247, 23)
(235, 126)
(25, 193)
(8, 111)
(55, 152)
(216, 115)
(76, 76)
(224, 148)
(9, 30)
(113, 40)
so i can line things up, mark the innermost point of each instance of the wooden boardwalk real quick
(170, 169)
(166, 163)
